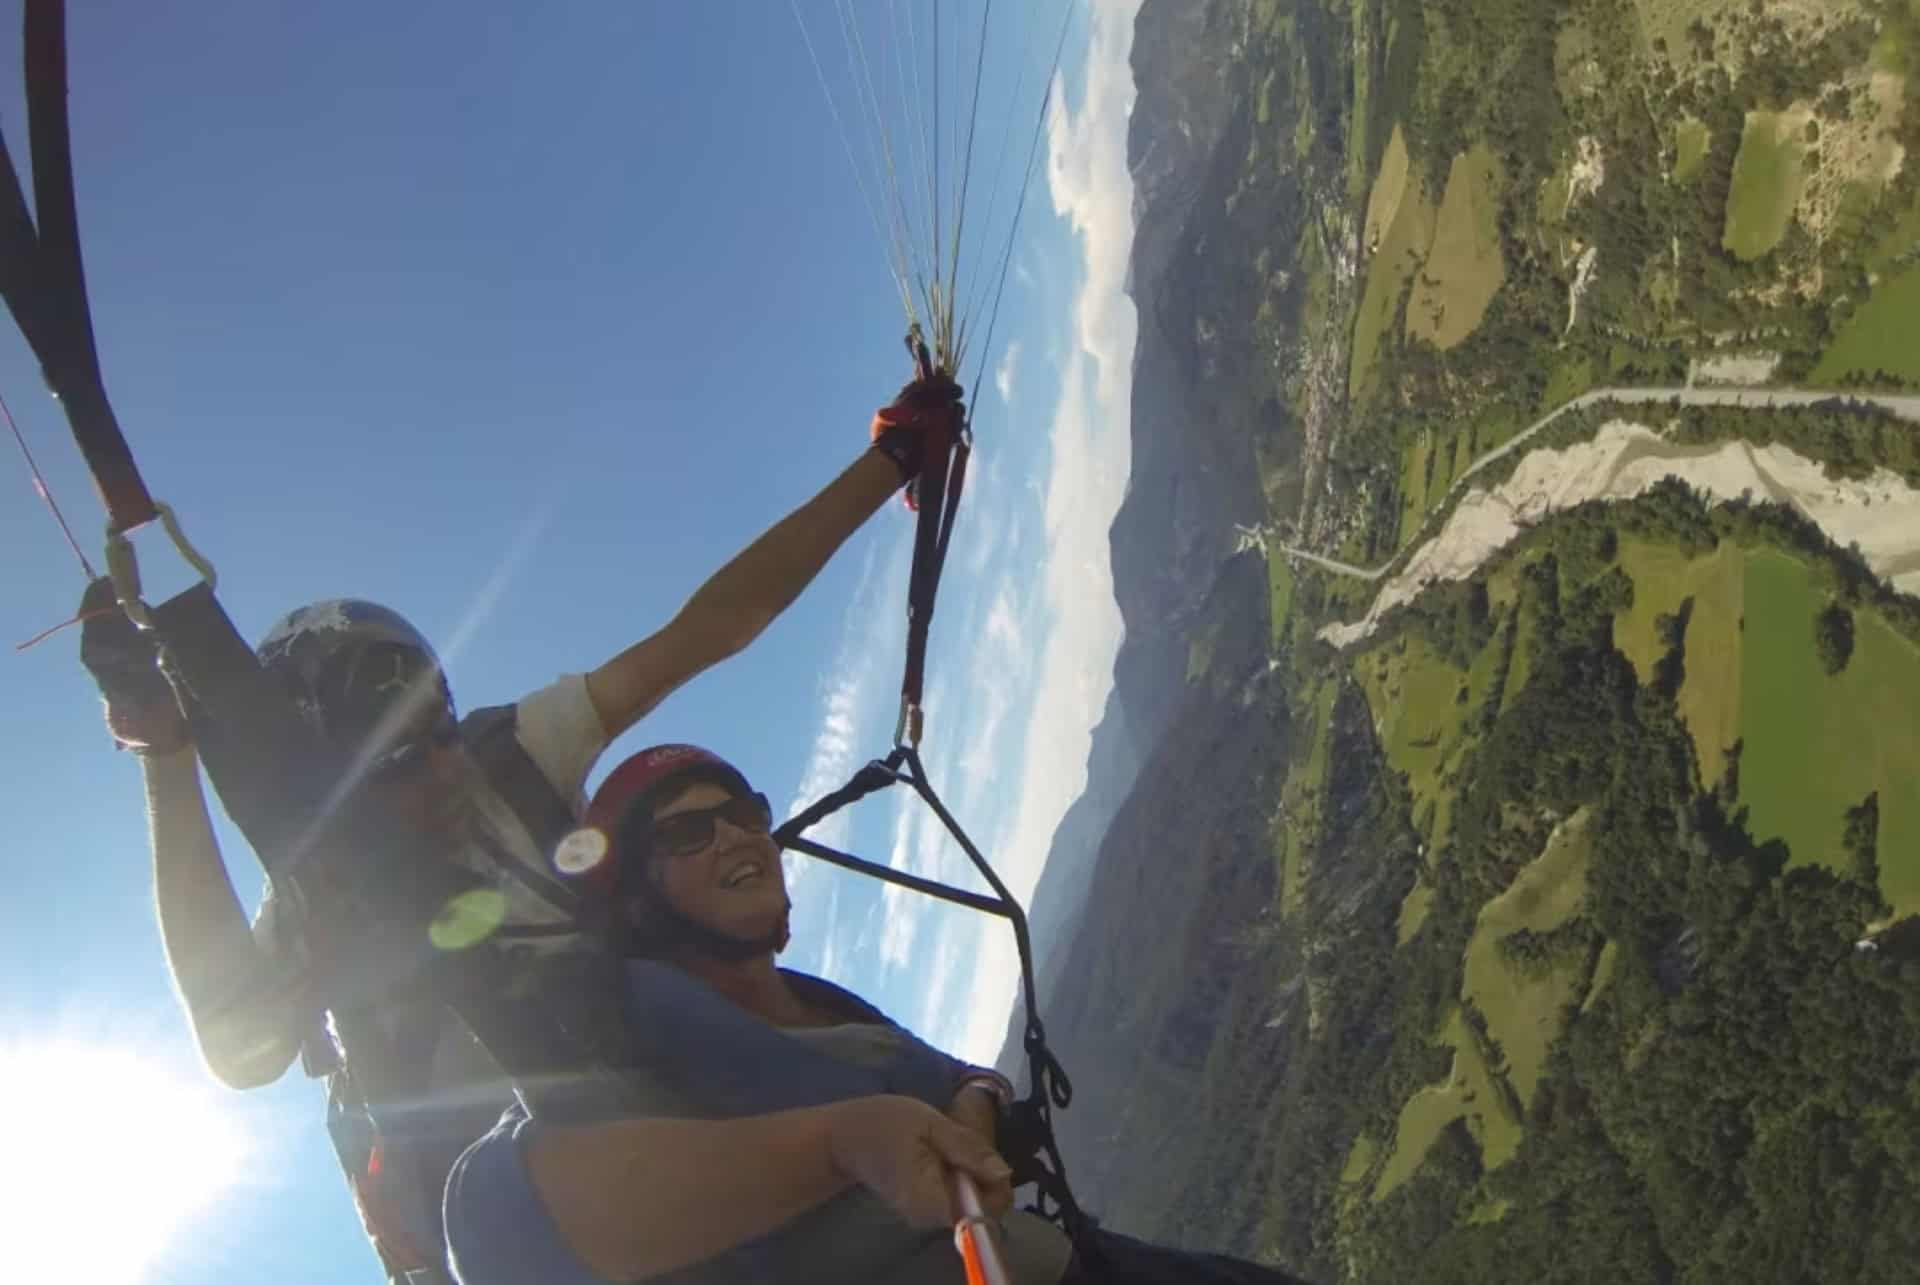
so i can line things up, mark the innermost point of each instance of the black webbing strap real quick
(943, 475)
(1028, 1139)
(264, 761)
(42, 278)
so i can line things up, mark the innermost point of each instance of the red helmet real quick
(587, 856)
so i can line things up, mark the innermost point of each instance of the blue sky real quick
(523, 324)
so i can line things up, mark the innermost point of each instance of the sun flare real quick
(113, 1155)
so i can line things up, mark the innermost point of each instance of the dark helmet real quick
(348, 664)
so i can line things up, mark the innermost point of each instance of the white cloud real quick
(847, 702)
(900, 922)
(899, 911)
(1003, 626)
(1005, 372)
(869, 931)
(999, 666)
(983, 530)
(1091, 455)
(1013, 537)
(829, 934)
(980, 764)
(951, 953)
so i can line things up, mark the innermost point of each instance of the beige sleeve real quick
(560, 730)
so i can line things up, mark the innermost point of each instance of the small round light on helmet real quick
(581, 852)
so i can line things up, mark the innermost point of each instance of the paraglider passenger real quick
(780, 1127)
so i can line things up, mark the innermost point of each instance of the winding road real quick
(1901, 406)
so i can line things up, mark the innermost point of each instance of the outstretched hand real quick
(142, 712)
(900, 428)
(902, 1150)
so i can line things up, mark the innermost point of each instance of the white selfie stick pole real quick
(973, 1236)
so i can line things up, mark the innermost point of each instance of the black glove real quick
(931, 393)
(899, 428)
(143, 714)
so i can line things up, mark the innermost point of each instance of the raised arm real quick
(742, 598)
(245, 1012)
(243, 1009)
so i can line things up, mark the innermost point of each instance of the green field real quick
(1469, 1091)
(1485, 672)
(1602, 974)
(1568, 381)
(1525, 625)
(1489, 1211)
(1816, 745)
(1660, 580)
(1768, 174)
(1464, 270)
(1503, 586)
(1300, 799)
(1412, 691)
(1884, 335)
(1899, 240)
(1359, 1160)
(1710, 698)
(1383, 203)
(1413, 911)
(1427, 471)
(1556, 193)
(1894, 50)
(1524, 1013)
(1279, 597)
(1690, 140)
(1413, 486)
(1574, 70)
(1526, 628)
(1389, 268)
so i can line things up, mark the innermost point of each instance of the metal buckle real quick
(123, 565)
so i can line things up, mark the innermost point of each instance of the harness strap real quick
(43, 280)
(943, 474)
(490, 735)
(877, 775)
(262, 759)
(931, 887)
(1035, 1153)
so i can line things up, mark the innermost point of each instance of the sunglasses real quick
(408, 760)
(685, 833)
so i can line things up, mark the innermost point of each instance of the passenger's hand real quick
(900, 1149)
(974, 1108)
(142, 712)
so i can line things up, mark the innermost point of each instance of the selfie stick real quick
(973, 1236)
